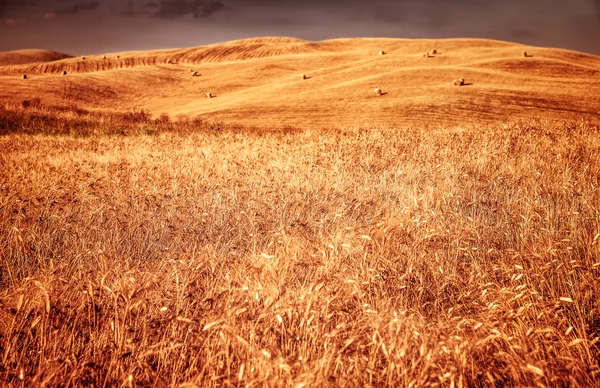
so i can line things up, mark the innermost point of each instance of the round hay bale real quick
(118, 56)
(195, 74)
(83, 58)
(524, 53)
(64, 72)
(426, 55)
(209, 95)
(382, 52)
(458, 82)
(434, 51)
(378, 92)
(168, 61)
(24, 76)
(303, 76)
(104, 57)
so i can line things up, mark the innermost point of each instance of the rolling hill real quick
(257, 82)
(21, 57)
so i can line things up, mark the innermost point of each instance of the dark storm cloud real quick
(208, 8)
(177, 8)
(597, 5)
(6, 6)
(429, 11)
(78, 8)
(397, 10)
(128, 10)
(168, 9)
(147, 24)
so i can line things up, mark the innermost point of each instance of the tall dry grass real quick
(211, 256)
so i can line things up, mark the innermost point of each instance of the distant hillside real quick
(21, 57)
(258, 82)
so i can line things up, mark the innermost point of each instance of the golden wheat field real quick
(301, 231)
(193, 253)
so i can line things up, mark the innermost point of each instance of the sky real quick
(80, 27)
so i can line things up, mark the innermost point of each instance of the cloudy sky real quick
(97, 26)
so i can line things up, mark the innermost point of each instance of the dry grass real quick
(246, 75)
(22, 57)
(210, 256)
(31, 117)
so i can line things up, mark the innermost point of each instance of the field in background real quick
(136, 252)
(258, 82)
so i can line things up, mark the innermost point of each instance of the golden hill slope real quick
(20, 57)
(257, 82)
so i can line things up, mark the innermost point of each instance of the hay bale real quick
(104, 57)
(426, 55)
(118, 56)
(303, 76)
(524, 53)
(434, 51)
(458, 82)
(382, 52)
(209, 95)
(191, 70)
(64, 72)
(24, 76)
(195, 74)
(378, 92)
(168, 61)
(83, 58)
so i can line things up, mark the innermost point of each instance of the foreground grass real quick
(388, 257)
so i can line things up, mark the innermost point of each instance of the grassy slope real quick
(379, 256)
(26, 57)
(257, 82)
